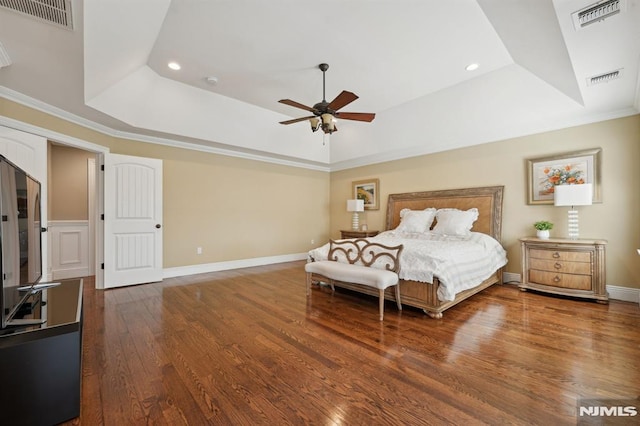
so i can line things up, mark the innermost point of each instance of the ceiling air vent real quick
(604, 78)
(57, 12)
(596, 12)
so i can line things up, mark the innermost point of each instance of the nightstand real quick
(357, 234)
(567, 267)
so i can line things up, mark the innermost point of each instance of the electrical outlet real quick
(313, 241)
(199, 250)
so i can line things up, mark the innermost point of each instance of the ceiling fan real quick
(325, 113)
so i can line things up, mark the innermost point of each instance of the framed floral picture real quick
(368, 190)
(564, 169)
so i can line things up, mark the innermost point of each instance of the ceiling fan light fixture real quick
(328, 124)
(315, 124)
(325, 113)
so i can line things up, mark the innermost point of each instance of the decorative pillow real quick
(454, 221)
(416, 220)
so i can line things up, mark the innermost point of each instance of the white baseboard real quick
(232, 264)
(615, 292)
(511, 278)
(625, 294)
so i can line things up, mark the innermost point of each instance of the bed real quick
(423, 295)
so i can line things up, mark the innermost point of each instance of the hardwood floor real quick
(247, 347)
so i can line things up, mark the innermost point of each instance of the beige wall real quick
(504, 163)
(236, 209)
(233, 208)
(68, 192)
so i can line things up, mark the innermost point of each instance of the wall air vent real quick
(57, 12)
(597, 12)
(604, 78)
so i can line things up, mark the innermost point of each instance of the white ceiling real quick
(406, 60)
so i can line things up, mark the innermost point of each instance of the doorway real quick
(72, 211)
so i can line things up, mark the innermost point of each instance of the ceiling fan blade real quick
(357, 116)
(344, 98)
(295, 120)
(296, 104)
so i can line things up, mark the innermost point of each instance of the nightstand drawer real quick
(358, 234)
(571, 256)
(577, 282)
(566, 267)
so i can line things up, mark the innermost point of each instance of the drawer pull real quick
(558, 265)
(556, 279)
(556, 255)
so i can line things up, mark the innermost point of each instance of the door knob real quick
(158, 226)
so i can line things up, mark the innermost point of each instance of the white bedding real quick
(459, 262)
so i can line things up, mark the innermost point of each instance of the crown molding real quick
(333, 167)
(418, 151)
(30, 102)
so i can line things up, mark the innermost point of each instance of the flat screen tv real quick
(20, 238)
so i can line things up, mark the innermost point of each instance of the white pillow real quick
(416, 220)
(454, 221)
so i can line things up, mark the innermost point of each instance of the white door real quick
(29, 152)
(132, 220)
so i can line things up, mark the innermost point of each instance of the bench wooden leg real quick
(381, 303)
(398, 301)
(308, 283)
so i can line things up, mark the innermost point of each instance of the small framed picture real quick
(563, 169)
(368, 190)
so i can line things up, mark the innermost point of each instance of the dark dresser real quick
(40, 364)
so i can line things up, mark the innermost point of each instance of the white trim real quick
(51, 135)
(69, 242)
(416, 151)
(67, 116)
(626, 294)
(92, 212)
(331, 167)
(180, 271)
(511, 278)
(77, 143)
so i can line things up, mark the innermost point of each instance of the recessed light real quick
(174, 66)
(212, 80)
(472, 67)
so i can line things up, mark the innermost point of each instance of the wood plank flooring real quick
(247, 347)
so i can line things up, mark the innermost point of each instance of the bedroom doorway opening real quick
(72, 211)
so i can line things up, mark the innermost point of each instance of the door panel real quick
(29, 152)
(133, 220)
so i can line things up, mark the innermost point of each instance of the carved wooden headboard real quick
(488, 201)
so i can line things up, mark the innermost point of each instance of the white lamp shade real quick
(355, 205)
(573, 195)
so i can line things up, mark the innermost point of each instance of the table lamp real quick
(355, 206)
(573, 195)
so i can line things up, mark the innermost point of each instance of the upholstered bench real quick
(362, 262)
